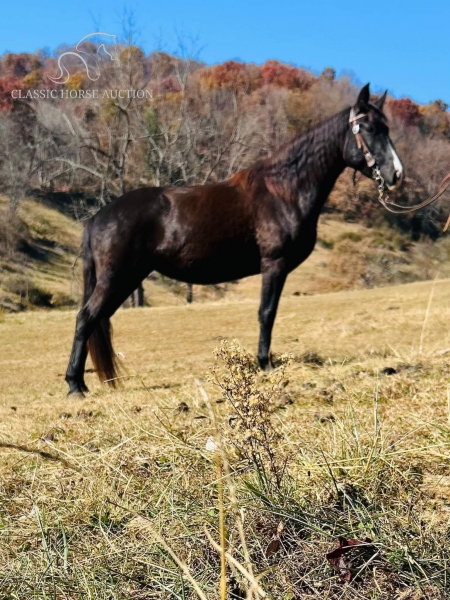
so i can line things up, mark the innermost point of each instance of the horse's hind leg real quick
(85, 323)
(106, 298)
(102, 304)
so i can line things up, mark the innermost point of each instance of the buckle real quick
(369, 159)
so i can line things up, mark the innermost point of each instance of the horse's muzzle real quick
(397, 181)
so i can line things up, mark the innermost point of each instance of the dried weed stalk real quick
(252, 400)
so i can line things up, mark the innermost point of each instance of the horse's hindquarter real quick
(209, 235)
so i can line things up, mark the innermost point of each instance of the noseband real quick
(383, 198)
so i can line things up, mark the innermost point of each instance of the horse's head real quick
(368, 144)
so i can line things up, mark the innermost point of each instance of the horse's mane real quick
(306, 157)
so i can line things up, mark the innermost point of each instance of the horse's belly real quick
(211, 268)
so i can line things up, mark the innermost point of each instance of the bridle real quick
(353, 120)
(383, 197)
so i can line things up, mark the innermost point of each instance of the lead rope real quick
(383, 197)
(398, 209)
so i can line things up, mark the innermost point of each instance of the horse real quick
(261, 220)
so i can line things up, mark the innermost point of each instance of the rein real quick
(383, 198)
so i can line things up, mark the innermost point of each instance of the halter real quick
(383, 198)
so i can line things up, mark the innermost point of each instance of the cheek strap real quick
(370, 160)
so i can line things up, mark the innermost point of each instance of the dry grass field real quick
(120, 495)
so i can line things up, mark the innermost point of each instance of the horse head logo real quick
(92, 61)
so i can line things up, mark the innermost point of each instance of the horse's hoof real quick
(77, 395)
(264, 364)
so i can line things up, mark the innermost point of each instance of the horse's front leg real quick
(273, 277)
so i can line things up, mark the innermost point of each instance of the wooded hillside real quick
(79, 144)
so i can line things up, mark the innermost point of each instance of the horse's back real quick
(220, 208)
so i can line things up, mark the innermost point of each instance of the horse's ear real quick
(362, 104)
(379, 102)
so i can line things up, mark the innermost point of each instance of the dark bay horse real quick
(262, 220)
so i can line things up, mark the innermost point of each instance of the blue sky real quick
(398, 45)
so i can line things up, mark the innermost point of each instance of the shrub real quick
(28, 292)
(351, 236)
(14, 234)
(328, 244)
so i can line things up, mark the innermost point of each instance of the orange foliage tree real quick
(286, 76)
(405, 110)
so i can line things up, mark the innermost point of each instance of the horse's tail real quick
(99, 344)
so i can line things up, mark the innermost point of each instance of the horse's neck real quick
(320, 161)
(313, 162)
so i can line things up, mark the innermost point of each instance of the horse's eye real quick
(370, 128)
